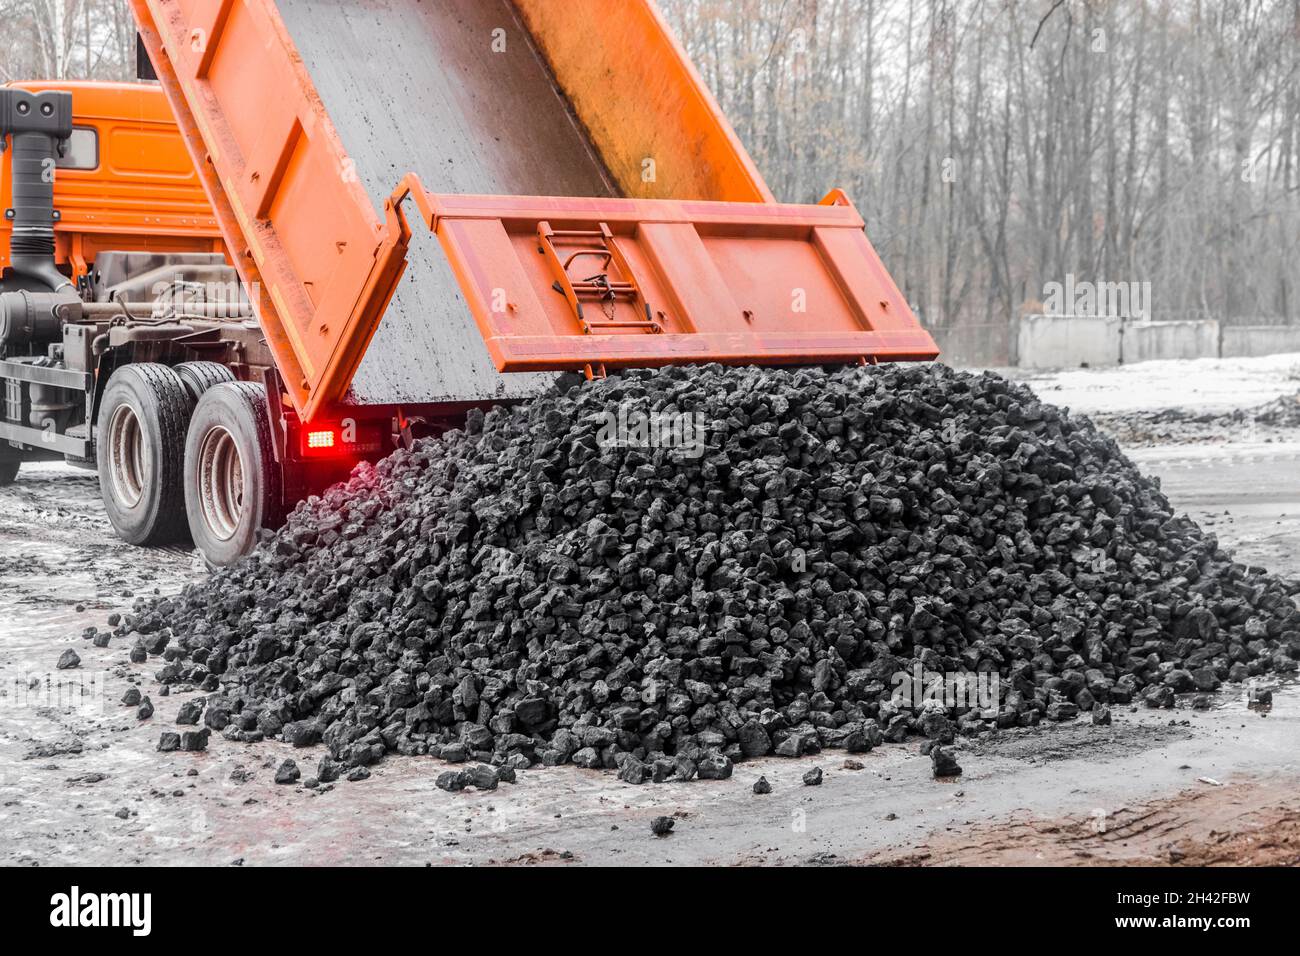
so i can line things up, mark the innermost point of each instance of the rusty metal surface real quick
(413, 86)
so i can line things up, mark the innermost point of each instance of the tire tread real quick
(249, 399)
(174, 421)
(202, 375)
(173, 410)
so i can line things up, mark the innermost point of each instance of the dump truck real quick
(103, 210)
(437, 206)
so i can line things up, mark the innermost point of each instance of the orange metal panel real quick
(320, 265)
(648, 112)
(143, 194)
(736, 283)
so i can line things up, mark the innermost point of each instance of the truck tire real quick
(8, 470)
(201, 376)
(232, 480)
(140, 446)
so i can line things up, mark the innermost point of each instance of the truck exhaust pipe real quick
(39, 125)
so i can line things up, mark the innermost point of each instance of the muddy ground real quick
(81, 782)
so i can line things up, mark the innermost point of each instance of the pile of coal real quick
(665, 571)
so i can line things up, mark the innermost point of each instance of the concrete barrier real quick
(1181, 339)
(1067, 341)
(1246, 340)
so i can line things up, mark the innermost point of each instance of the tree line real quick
(996, 146)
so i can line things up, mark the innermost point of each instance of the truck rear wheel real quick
(140, 445)
(201, 376)
(232, 483)
(8, 470)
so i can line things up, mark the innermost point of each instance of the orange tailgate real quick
(564, 283)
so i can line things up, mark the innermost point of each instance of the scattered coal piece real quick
(527, 591)
(483, 777)
(217, 715)
(146, 709)
(138, 654)
(1157, 696)
(328, 770)
(634, 771)
(189, 712)
(1101, 715)
(194, 740)
(132, 697)
(944, 763)
(287, 772)
(169, 740)
(452, 780)
(762, 786)
(813, 778)
(68, 659)
(714, 766)
(662, 826)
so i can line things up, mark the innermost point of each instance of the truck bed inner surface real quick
(456, 91)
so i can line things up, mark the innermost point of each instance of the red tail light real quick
(350, 439)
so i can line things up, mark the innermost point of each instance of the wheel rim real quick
(128, 455)
(221, 483)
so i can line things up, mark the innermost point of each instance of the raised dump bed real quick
(593, 208)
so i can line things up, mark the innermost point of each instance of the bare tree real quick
(66, 39)
(996, 145)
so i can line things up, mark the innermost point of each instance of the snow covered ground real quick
(1210, 385)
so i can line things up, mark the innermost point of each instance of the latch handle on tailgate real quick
(600, 244)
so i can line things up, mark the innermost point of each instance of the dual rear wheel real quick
(186, 451)
(232, 487)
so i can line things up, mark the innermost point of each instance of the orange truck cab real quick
(124, 182)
